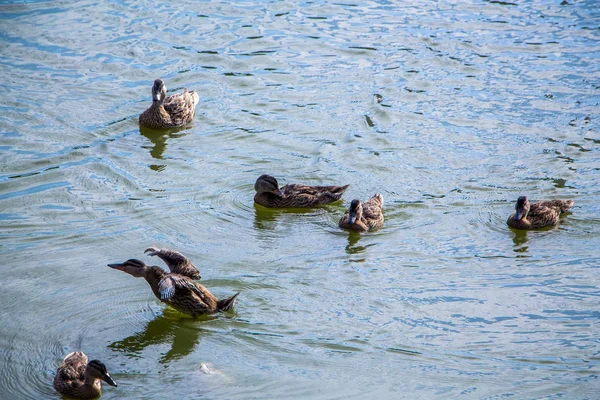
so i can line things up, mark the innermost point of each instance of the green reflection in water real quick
(182, 334)
(159, 137)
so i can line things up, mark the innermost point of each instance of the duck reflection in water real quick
(520, 239)
(182, 334)
(353, 238)
(267, 218)
(159, 137)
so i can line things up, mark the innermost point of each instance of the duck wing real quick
(540, 215)
(73, 367)
(562, 205)
(181, 107)
(177, 262)
(373, 212)
(311, 195)
(171, 283)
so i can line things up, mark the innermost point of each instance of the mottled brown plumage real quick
(177, 262)
(178, 291)
(363, 217)
(268, 194)
(537, 215)
(78, 379)
(169, 112)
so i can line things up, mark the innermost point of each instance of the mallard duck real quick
(80, 379)
(169, 112)
(268, 194)
(537, 215)
(177, 262)
(364, 217)
(178, 291)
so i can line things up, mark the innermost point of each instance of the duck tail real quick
(227, 304)
(339, 189)
(379, 198)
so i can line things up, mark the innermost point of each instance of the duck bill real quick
(156, 97)
(106, 378)
(519, 215)
(120, 267)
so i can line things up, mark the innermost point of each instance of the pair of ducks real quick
(360, 217)
(78, 378)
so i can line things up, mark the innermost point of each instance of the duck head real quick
(159, 91)
(267, 184)
(521, 208)
(133, 267)
(355, 211)
(97, 370)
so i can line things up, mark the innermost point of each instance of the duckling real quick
(177, 262)
(364, 217)
(169, 112)
(268, 194)
(80, 379)
(537, 215)
(178, 291)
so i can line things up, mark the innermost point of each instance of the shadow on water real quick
(159, 137)
(183, 335)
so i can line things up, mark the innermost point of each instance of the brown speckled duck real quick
(177, 262)
(169, 112)
(537, 215)
(178, 291)
(268, 194)
(364, 217)
(80, 379)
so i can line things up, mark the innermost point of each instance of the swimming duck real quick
(177, 262)
(268, 194)
(169, 112)
(80, 379)
(178, 291)
(537, 215)
(364, 217)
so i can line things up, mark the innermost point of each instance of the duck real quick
(537, 215)
(268, 194)
(363, 217)
(80, 379)
(177, 262)
(169, 112)
(178, 291)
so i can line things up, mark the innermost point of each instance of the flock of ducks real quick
(78, 378)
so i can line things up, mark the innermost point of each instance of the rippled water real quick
(451, 111)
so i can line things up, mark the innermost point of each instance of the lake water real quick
(450, 110)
